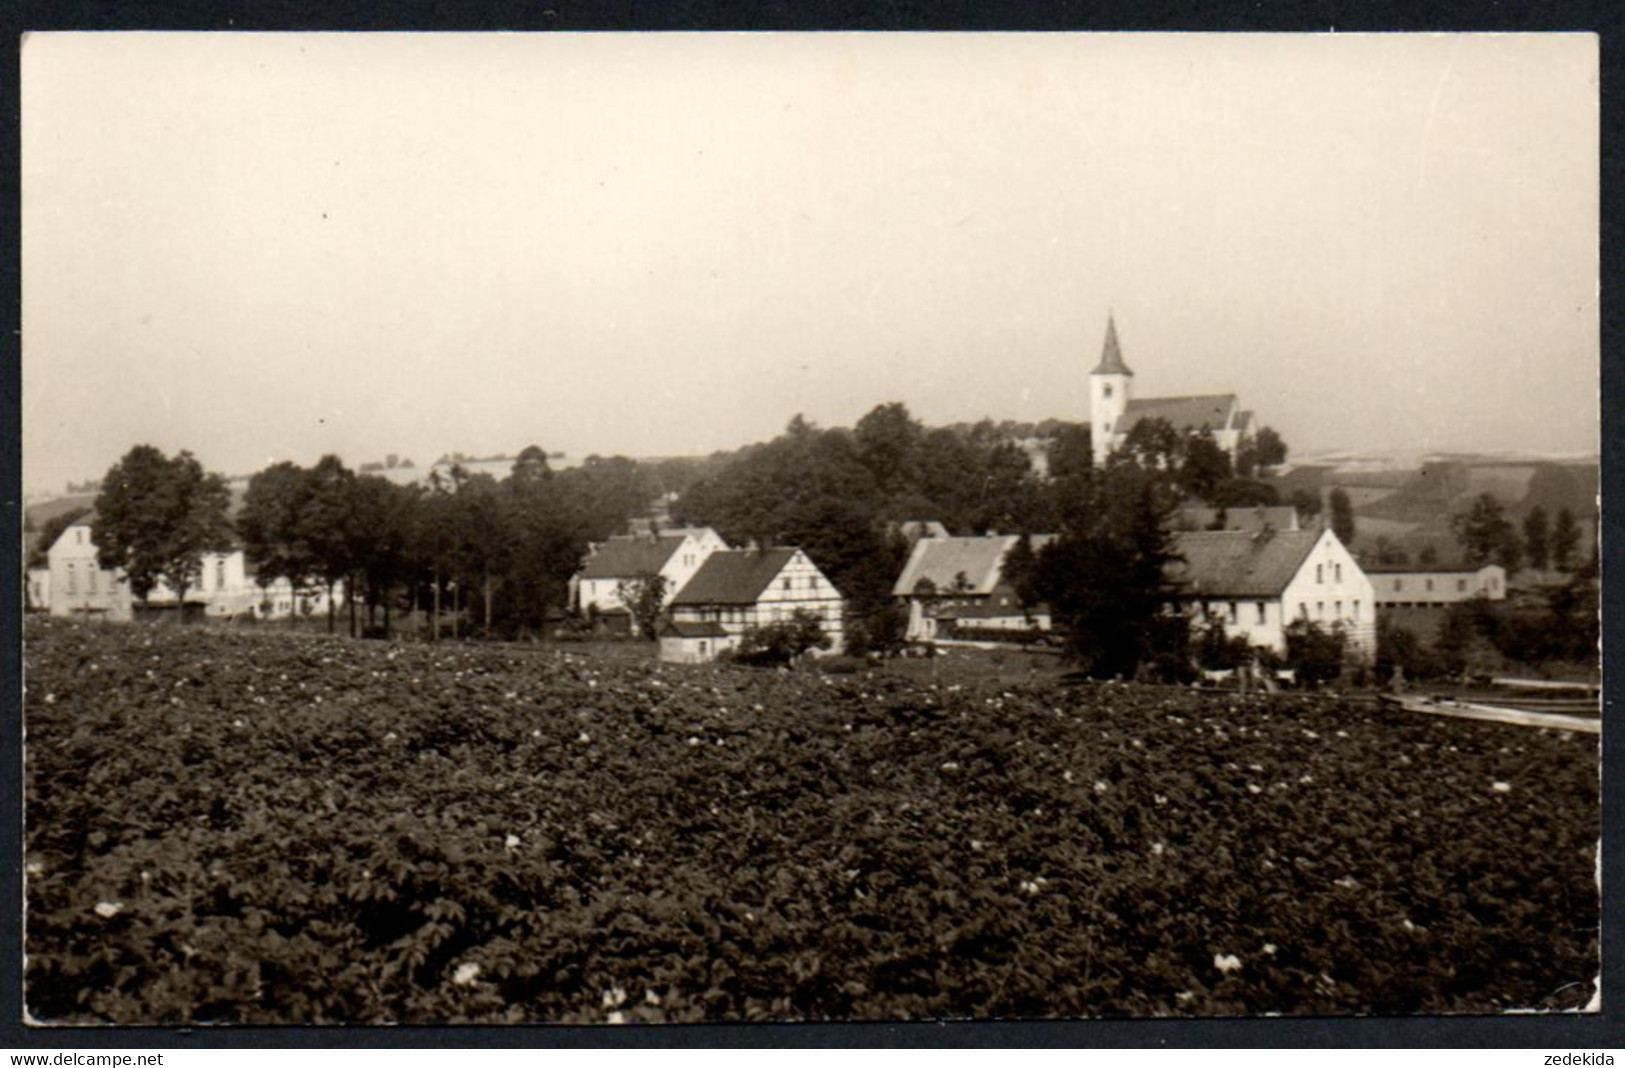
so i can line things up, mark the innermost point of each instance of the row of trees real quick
(502, 549)
(1487, 535)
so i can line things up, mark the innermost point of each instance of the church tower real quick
(1109, 385)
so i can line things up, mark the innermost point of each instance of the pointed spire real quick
(1111, 357)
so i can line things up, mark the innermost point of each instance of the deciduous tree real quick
(157, 516)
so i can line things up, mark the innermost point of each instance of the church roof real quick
(1111, 356)
(1223, 563)
(1183, 413)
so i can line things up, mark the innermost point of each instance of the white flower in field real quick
(585, 738)
(1157, 849)
(1101, 786)
(950, 766)
(1408, 925)
(1227, 962)
(1029, 886)
(1347, 882)
(536, 733)
(390, 737)
(1255, 767)
(1342, 734)
(1269, 948)
(511, 842)
(693, 740)
(616, 1017)
(1306, 778)
(1159, 799)
(1254, 788)
(614, 997)
(1501, 787)
(975, 845)
(35, 868)
(108, 909)
(651, 998)
(1067, 775)
(466, 974)
(1310, 734)
(50, 698)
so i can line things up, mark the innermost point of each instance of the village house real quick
(77, 585)
(675, 555)
(1114, 411)
(960, 581)
(1257, 584)
(736, 590)
(1404, 587)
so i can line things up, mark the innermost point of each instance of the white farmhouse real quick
(79, 586)
(737, 590)
(1256, 584)
(675, 555)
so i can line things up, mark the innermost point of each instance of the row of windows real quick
(1320, 610)
(91, 574)
(789, 582)
(1461, 585)
(1320, 573)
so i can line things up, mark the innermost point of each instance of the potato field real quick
(251, 827)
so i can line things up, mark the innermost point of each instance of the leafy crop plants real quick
(262, 828)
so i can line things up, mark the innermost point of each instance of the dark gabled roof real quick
(735, 576)
(1223, 563)
(1111, 354)
(1185, 414)
(624, 557)
(673, 629)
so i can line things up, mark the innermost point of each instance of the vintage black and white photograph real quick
(659, 528)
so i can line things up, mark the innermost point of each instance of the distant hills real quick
(1409, 497)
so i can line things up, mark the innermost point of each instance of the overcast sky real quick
(266, 247)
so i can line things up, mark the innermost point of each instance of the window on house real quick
(1337, 609)
(1399, 584)
(1320, 573)
(1461, 585)
(1106, 391)
(787, 582)
(1356, 616)
(1337, 572)
(90, 579)
(1430, 585)
(1261, 612)
(73, 580)
(1320, 609)
(1303, 610)
(703, 647)
(79, 536)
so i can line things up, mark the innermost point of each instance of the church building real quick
(1114, 410)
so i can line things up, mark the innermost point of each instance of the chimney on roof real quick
(1265, 532)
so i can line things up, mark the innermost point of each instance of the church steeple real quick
(1110, 384)
(1111, 357)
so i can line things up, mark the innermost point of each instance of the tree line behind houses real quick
(495, 555)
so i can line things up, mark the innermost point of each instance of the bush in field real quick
(782, 643)
(1314, 652)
